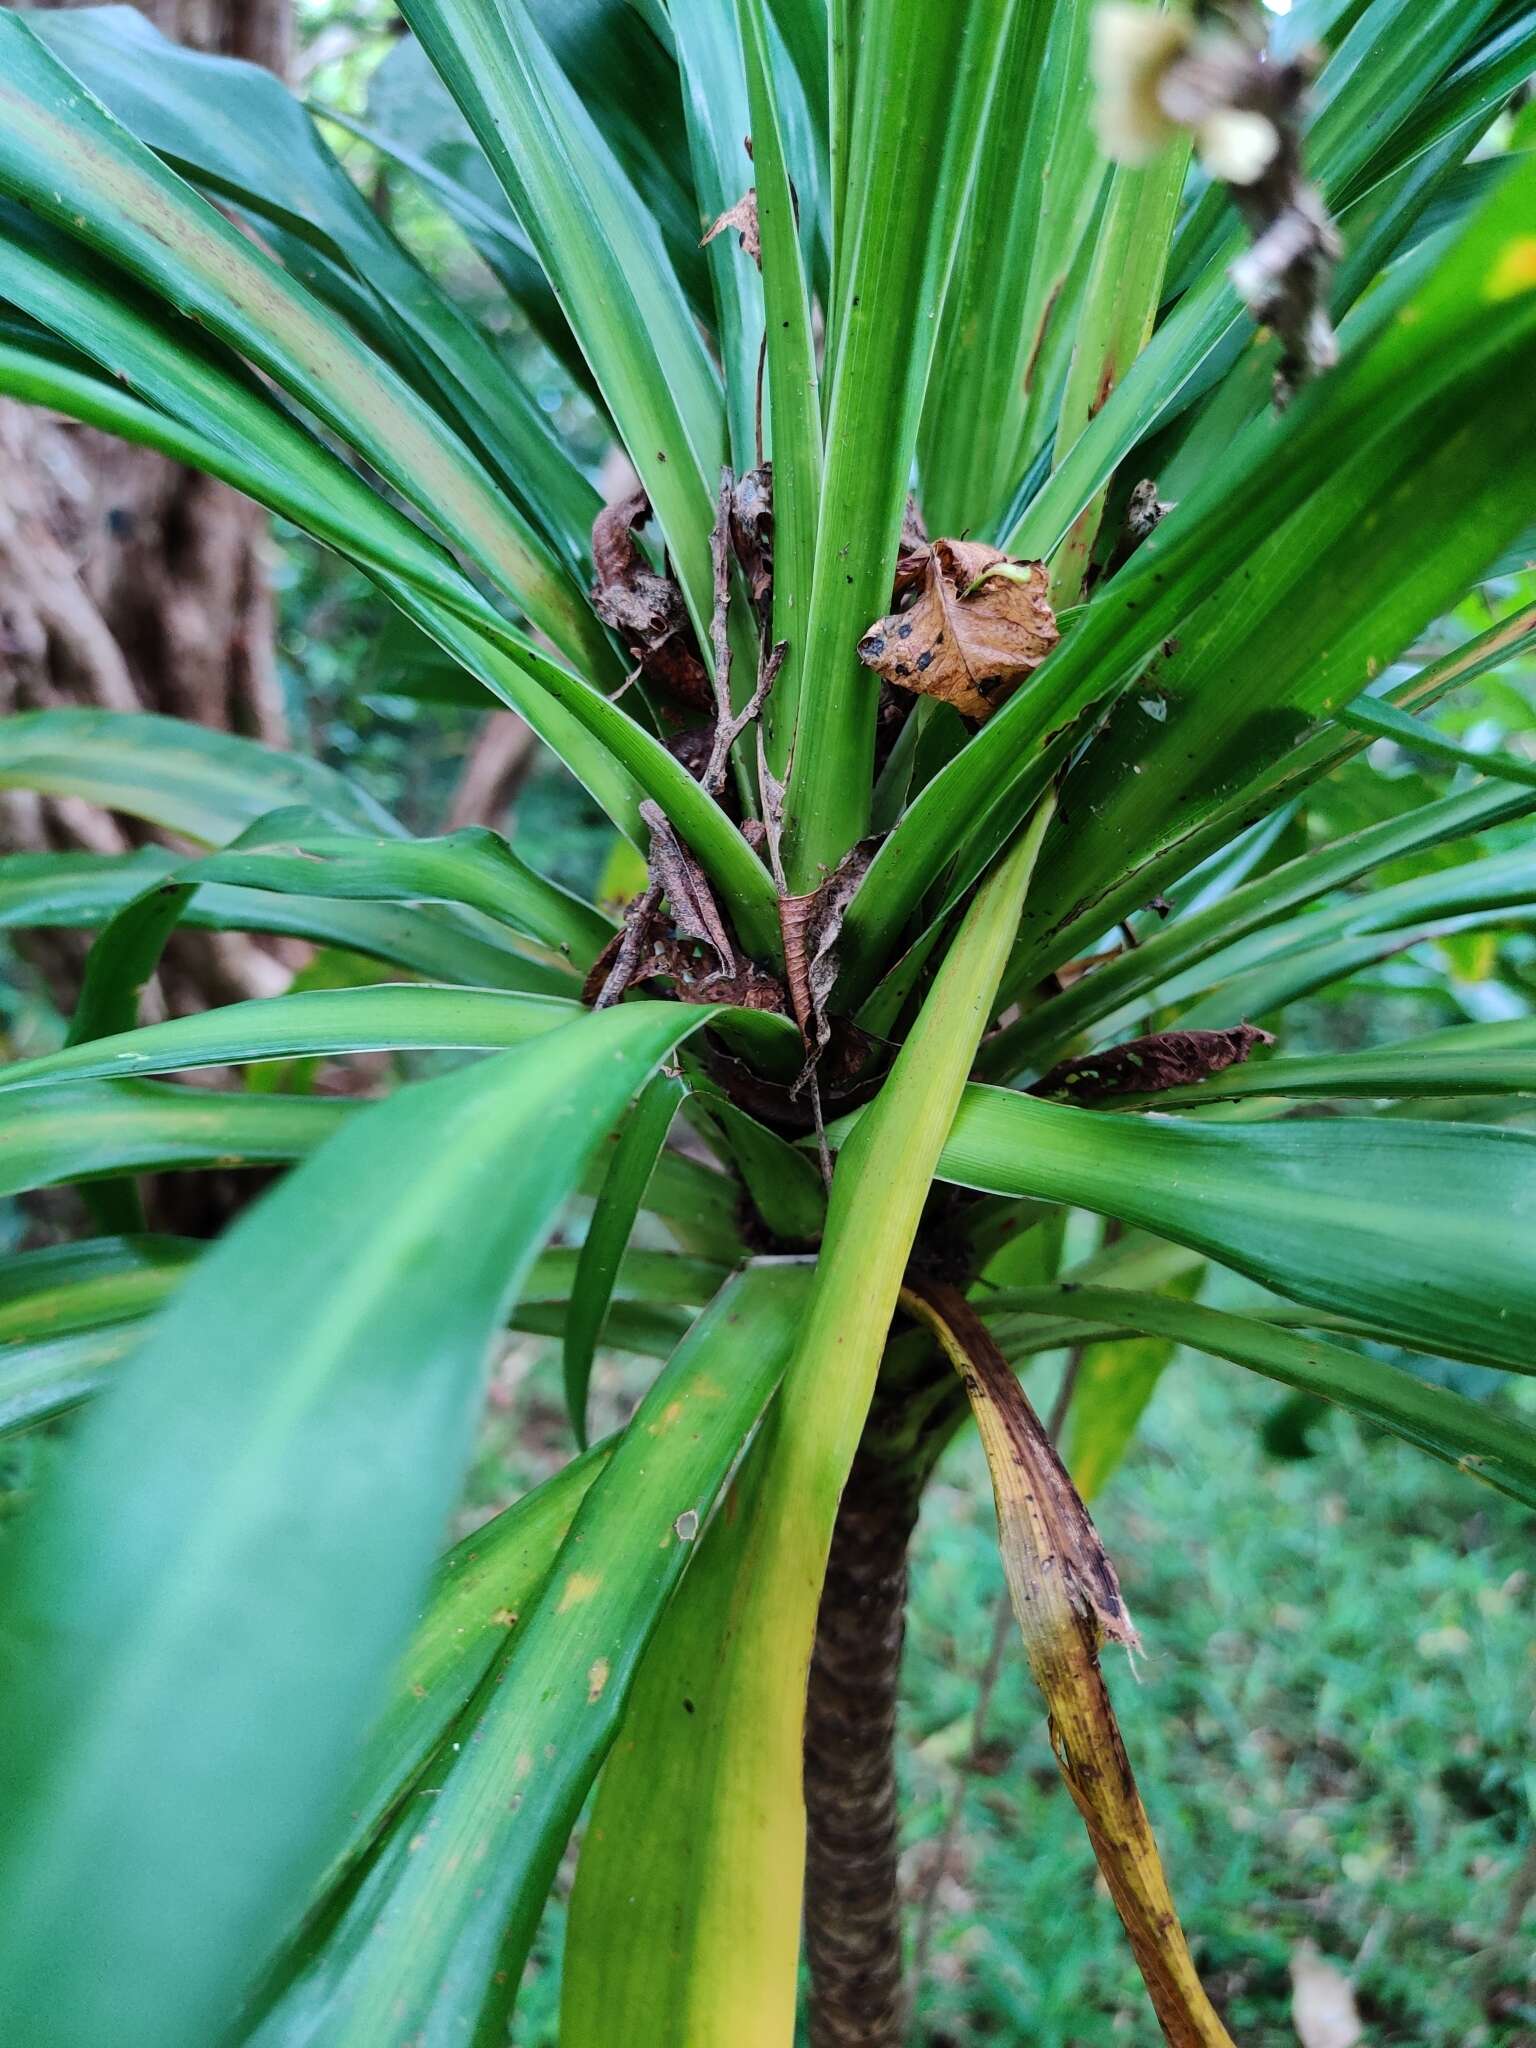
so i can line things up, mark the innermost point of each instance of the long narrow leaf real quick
(635, 1153)
(242, 1532)
(1485, 1444)
(439, 1928)
(600, 252)
(1414, 1227)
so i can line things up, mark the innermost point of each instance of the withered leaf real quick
(752, 533)
(687, 943)
(812, 926)
(978, 624)
(1323, 2009)
(1068, 1602)
(695, 914)
(645, 610)
(743, 218)
(912, 550)
(1147, 1066)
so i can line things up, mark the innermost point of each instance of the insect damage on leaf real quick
(743, 218)
(1148, 1066)
(645, 610)
(979, 624)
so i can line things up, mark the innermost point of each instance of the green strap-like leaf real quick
(100, 1280)
(925, 80)
(1384, 721)
(709, 55)
(1485, 1444)
(434, 1939)
(205, 1605)
(794, 392)
(79, 891)
(1422, 1229)
(203, 784)
(600, 250)
(385, 1018)
(289, 851)
(782, 1183)
(636, 1149)
(61, 153)
(62, 1134)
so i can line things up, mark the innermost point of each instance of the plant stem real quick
(852, 1901)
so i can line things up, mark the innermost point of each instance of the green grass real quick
(1332, 1729)
(1332, 1726)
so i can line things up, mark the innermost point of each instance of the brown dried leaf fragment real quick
(695, 914)
(752, 534)
(1148, 1066)
(980, 622)
(912, 550)
(812, 926)
(743, 218)
(687, 943)
(1068, 1602)
(620, 962)
(645, 610)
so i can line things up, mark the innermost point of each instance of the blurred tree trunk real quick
(130, 584)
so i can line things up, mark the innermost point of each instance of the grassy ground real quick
(1332, 1728)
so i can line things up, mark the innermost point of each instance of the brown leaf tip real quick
(979, 622)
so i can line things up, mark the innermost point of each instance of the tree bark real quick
(853, 1932)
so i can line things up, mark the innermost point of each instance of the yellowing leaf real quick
(979, 623)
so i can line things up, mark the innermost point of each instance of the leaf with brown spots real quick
(743, 218)
(645, 610)
(979, 623)
(1147, 1066)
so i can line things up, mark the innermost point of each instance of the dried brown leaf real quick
(1323, 2008)
(1147, 1066)
(743, 218)
(687, 943)
(645, 610)
(812, 926)
(979, 623)
(695, 914)
(1068, 1602)
(752, 533)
